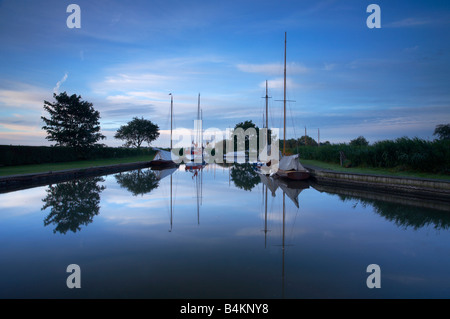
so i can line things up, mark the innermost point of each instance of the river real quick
(219, 232)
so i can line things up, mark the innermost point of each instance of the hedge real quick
(404, 153)
(11, 155)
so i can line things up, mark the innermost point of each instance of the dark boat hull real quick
(293, 175)
(162, 164)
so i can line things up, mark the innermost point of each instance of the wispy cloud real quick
(23, 96)
(21, 134)
(21, 106)
(157, 74)
(329, 66)
(409, 22)
(58, 84)
(278, 83)
(135, 81)
(273, 68)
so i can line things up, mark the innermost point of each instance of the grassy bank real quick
(374, 171)
(38, 168)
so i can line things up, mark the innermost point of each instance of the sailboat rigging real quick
(163, 158)
(197, 152)
(289, 166)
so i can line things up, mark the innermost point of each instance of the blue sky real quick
(346, 79)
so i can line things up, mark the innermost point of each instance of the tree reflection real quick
(404, 215)
(138, 182)
(73, 203)
(244, 176)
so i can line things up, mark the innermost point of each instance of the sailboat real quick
(289, 166)
(163, 159)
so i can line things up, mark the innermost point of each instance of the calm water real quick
(217, 236)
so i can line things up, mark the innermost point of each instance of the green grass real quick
(373, 171)
(39, 168)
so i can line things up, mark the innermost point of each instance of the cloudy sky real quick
(342, 77)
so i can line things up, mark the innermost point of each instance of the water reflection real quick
(292, 189)
(197, 176)
(73, 204)
(244, 176)
(404, 212)
(405, 216)
(288, 241)
(138, 182)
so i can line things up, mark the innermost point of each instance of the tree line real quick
(74, 123)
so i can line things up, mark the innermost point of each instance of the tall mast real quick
(171, 118)
(171, 126)
(198, 110)
(284, 99)
(267, 108)
(198, 117)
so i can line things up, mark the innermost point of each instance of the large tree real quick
(72, 122)
(245, 126)
(442, 131)
(359, 141)
(137, 131)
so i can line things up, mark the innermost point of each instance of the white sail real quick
(166, 156)
(160, 174)
(270, 183)
(288, 163)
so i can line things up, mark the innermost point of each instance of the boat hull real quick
(193, 166)
(293, 175)
(155, 164)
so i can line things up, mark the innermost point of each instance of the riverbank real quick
(58, 166)
(12, 183)
(417, 188)
(375, 171)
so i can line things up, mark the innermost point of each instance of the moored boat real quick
(290, 167)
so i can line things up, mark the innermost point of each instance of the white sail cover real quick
(270, 183)
(162, 155)
(288, 163)
(292, 193)
(160, 174)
